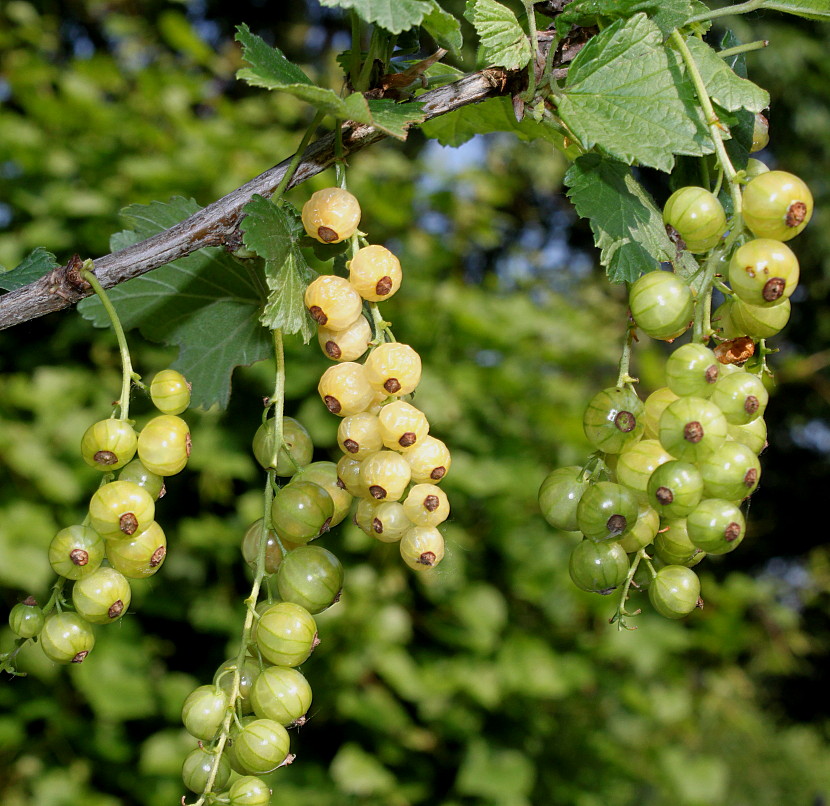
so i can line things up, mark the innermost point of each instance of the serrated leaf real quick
(394, 16)
(268, 64)
(443, 27)
(666, 14)
(31, 268)
(502, 41)
(725, 88)
(627, 95)
(207, 304)
(811, 9)
(394, 118)
(272, 232)
(628, 228)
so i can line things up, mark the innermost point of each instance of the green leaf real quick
(628, 228)
(811, 9)
(394, 16)
(33, 267)
(207, 304)
(666, 14)
(502, 41)
(443, 27)
(725, 88)
(272, 232)
(394, 118)
(627, 95)
(268, 64)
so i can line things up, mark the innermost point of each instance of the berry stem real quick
(619, 616)
(623, 377)
(741, 8)
(530, 92)
(297, 158)
(127, 373)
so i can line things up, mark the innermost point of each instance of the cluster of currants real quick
(670, 475)
(119, 539)
(390, 462)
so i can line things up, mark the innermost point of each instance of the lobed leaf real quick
(443, 27)
(34, 266)
(394, 16)
(810, 9)
(502, 41)
(666, 14)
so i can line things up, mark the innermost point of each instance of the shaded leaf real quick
(666, 14)
(443, 27)
(811, 9)
(394, 16)
(34, 266)
(502, 41)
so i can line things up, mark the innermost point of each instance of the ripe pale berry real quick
(402, 425)
(393, 368)
(692, 369)
(654, 407)
(359, 435)
(108, 444)
(759, 322)
(375, 273)
(429, 460)
(763, 272)
(777, 205)
(348, 476)
(347, 344)
(386, 521)
(422, 547)
(661, 305)
(121, 509)
(426, 505)
(76, 551)
(345, 389)
(333, 302)
(637, 462)
(331, 215)
(164, 445)
(141, 555)
(697, 216)
(286, 634)
(385, 475)
(170, 392)
(66, 637)
(102, 597)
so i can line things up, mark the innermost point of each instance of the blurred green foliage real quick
(492, 680)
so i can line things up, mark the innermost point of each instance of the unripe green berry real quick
(108, 444)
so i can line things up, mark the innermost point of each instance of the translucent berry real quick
(204, 711)
(108, 444)
(643, 531)
(286, 634)
(559, 495)
(716, 526)
(347, 344)
(598, 567)
(345, 389)
(732, 472)
(426, 505)
(164, 445)
(331, 215)
(429, 460)
(402, 425)
(654, 407)
(741, 396)
(295, 451)
(121, 509)
(673, 546)
(675, 591)
(692, 369)
(261, 746)
(375, 273)
(753, 435)
(763, 272)
(723, 322)
(312, 577)
(140, 556)
(249, 791)
(697, 216)
(776, 205)
(349, 478)
(385, 475)
(333, 302)
(393, 368)
(675, 489)
(170, 392)
(66, 637)
(26, 619)
(613, 419)
(325, 474)
(282, 694)
(386, 521)
(760, 133)
(759, 322)
(359, 435)
(102, 597)
(661, 305)
(197, 767)
(638, 461)
(138, 474)
(301, 511)
(606, 511)
(250, 547)
(422, 547)
(76, 551)
(692, 427)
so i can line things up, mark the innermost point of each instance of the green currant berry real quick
(249, 672)
(673, 546)
(638, 461)
(331, 215)
(754, 168)
(692, 369)
(716, 526)
(141, 555)
(613, 419)
(138, 474)
(758, 322)
(402, 426)
(760, 134)
(422, 547)
(66, 638)
(675, 489)
(697, 216)
(776, 205)
(359, 435)
(429, 460)
(642, 576)
(389, 522)
(26, 619)
(675, 591)
(692, 428)
(273, 552)
(301, 511)
(325, 474)
(347, 344)
(282, 694)
(170, 392)
(76, 551)
(197, 767)
(643, 531)
(348, 476)
(375, 273)
(753, 435)
(606, 511)
(294, 453)
(333, 302)
(393, 368)
(249, 791)
(102, 597)
(732, 472)
(661, 304)
(261, 746)
(310, 576)
(286, 634)
(741, 397)
(345, 389)
(426, 505)
(559, 495)
(763, 272)
(385, 475)
(121, 509)
(598, 567)
(108, 444)
(723, 321)
(164, 445)
(654, 407)
(204, 712)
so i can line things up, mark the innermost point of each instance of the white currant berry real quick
(359, 435)
(331, 215)
(375, 273)
(426, 505)
(402, 426)
(385, 475)
(348, 476)
(386, 521)
(422, 547)
(393, 368)
(333, 302)
(345, 389)
(348, 344)
(429, 460)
